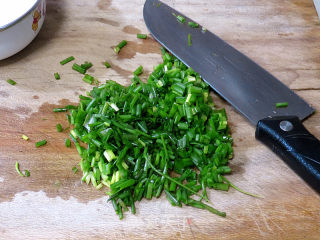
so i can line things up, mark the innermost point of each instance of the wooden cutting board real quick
(282, 36)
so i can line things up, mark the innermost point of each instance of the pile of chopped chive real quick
(161, 136)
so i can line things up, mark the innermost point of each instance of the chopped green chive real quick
(56, 76)
(204, 29)
(59, 127)
(281, 104)
(78, 68)
(10, 81)
(24, 137)
(18, 169)
(67, 142)
(27, 173)
(189, 40)
(141, 36)
(107, 64)
(74, 169)
(193, 24)
(41, 143)
(181, 19)
(86, 65)
(88, 79)
(65, 61)
(138, 71)
(59, 110)
(119, 46)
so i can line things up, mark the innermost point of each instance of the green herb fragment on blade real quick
(281, 104)
(193, 24)
(181, 19)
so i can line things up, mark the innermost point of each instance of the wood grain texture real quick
(282, 36)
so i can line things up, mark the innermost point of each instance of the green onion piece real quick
(24, 137)
(107, 64)
(189, 40)
(204, 29)
(281, 104)
(78, 68)
(86, 65)
(193, 24)
(60, 109)
(74, 169)
(138, 71)
(202, 205)
(141, 36)
(59, 127)
(69, 59)
(10, 81)
(27, 173)
(88, 79)
(41, 143)
(119, 46)
(181, 19)
(18, 170)
(238, 189)
(56, 76)
(67, 142)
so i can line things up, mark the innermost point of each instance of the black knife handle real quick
(288, 138)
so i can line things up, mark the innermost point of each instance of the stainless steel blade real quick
(243, 83)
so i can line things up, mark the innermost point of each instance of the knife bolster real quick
(291, 141)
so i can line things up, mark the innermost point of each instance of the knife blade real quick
(248, 87)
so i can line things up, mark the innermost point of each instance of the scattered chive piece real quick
(59, 127)
(138, 71)
(69, 59)
(141, 36)
(189, 40)
(59, 110)
(67, 142)
(57, 76)
(78, 68)
(41, 143)
(181, 19)
(204, 29)
(18, 170)
(88, 79)
(107, 64)
(238, 189)
(281, 104)
(193, 24)
(74, 169)
(27, 173)
(24, 137)
(10, 81)
(86, 65)
(119, 46)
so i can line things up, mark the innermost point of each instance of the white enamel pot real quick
(20, 22)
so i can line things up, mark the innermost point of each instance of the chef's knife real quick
(244, 84)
